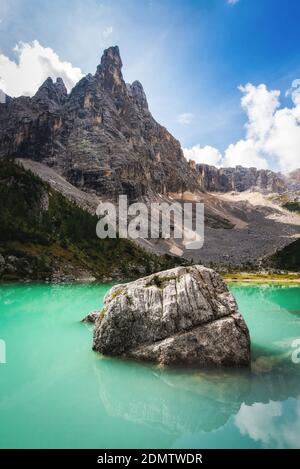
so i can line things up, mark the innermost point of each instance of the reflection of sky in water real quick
(276, 424)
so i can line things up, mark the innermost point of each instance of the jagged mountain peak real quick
(111, 55)
(52, 91)
(60, 86)
(101, 137)
(137, 92)
(109, 72)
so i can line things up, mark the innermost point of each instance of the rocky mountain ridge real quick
(101, 137)
(238, 179)
(101, 140)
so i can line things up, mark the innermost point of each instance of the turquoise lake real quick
(55, 392)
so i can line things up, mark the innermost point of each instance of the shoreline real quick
(292, 278)
(246, 277)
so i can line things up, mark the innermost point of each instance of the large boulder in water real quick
(182, 316)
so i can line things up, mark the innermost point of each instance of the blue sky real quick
(190, 55)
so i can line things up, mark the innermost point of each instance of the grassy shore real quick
(261, 277)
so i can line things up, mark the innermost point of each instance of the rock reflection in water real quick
(179, 401)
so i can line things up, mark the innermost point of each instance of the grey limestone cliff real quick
(101, 137)
(238, 179)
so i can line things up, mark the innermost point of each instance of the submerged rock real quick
(182, 316)
(91, 317)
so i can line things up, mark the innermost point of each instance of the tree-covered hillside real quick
(44, 236)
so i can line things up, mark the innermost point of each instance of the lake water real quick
(56, 392)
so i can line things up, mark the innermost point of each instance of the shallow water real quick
(55, 392)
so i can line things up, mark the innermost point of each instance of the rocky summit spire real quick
(109, 70)
(61, 88)
(50, 91)
(137, 92)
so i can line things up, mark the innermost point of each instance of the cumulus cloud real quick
(207, 154)
(34, 64)
(272, 132)
(185, 118)
(260, 106)
(244, 153)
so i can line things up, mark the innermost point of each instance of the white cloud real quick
(244, 153)
(185, 118)
(232, 2)
(207, 154)
(284, 138)
(34, 64)
(107, 31)
(272, 132)
(260, 106)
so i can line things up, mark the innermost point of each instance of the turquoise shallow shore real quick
(56, 392)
